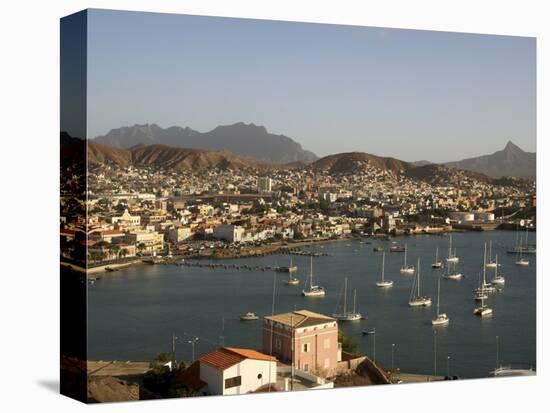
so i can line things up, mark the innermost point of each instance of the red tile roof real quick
(190, 377)
(226, 357)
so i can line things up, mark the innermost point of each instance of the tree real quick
(348, 345)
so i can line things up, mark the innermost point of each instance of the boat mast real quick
(438, 292)
(490, 251)
(436, 252)
(311, 272)
(418, 280)
(484, 264)
(345, 294)
(450, 245)
(383, 260)
(354, 301)
(405, 263)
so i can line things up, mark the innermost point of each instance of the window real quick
(260, 376)
(305, 348)
(306, 367)
(327, 363)
(232, 382)
(326, 343)
(278, 343)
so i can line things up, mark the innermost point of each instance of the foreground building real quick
(305, 339)
(236, 371)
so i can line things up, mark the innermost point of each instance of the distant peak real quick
(511, 146)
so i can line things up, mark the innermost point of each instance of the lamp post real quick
(392, 354)
(448, 366)
(192, 342)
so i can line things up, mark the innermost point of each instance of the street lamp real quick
(448, 368)
(192, 342)
(392, 353)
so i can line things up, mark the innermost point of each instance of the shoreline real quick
(253, 251)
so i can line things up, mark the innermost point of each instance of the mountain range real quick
(247, 140)
(168, 158)
(510, 161)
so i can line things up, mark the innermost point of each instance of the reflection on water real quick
(133, 312)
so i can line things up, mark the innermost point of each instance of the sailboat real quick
(348, 315)
(490, 262)
(497, 279)
(407, 268)
(313, 290)
(437, 263)
(485, 287)
(483, 310)
(415, 299)
(292, 280)
(521, 261)
(452, 256)
(440, 318)
(384, 283)
(451, 273)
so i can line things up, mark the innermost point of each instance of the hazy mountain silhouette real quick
(241, 139)
(511, 161)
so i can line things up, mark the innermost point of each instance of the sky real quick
(410, 94)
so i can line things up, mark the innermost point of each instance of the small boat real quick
(348, 315)
(249, 317)
(497, 279)
(292, 280)
(416, 299)
(509, 371)
(483, 310)
(440, 318)
(451, 273)
(378, 249)
(111, 269)
(406, 268)
(313, 290)
(522, 262)
(397, 248)
(290, 269)
(368, 332)
(384, 283)
(437, 263)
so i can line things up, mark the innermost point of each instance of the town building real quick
(229, 233)
(306, 339)
(264, 184)
(236, 371)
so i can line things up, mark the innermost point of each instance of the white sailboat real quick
(407, 268)
(292, 280)
(415, 299)
(452, 273)
(484, 286)
(440, 318)
(313, 290)
(348, 315)
(384, 283)
(521, 261)
(497, 279)
(490, 262)
(437, 263)
(483, 310)
(452, 256)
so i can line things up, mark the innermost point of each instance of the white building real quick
(237, 371)
(264, 184)
(230, 233)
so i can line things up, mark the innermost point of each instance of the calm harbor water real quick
(132, 313)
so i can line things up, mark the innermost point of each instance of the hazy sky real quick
(408, 94)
